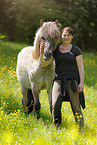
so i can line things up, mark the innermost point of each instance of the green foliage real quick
(20, 19)
(17, 128)
(2, 36)
(8, 18)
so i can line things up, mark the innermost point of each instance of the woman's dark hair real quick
(69, 29)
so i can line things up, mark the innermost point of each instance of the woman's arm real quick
(80, 65)
(44, 63)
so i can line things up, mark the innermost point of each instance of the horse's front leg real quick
(37, 104)
(49, 91)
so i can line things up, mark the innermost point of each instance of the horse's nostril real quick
(47, 56)
(44, 57)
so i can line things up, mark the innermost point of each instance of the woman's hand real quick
(80, 87)
(41, 47)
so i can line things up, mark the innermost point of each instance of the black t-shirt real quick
(66, 68)
(65, 63)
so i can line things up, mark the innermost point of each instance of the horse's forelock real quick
(50, 29)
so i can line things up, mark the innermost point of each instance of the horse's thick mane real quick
(46, 30)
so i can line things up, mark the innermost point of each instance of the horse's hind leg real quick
(24, 99)
(30, 98)
(37, 106)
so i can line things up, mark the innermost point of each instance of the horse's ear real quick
(41, 22)
(58, 24)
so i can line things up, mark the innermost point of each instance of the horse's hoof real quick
(38, 116)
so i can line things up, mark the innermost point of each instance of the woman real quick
(68, 84)
(69, 79)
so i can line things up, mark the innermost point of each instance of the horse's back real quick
(25, 53)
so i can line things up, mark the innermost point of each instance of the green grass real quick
(17, 128)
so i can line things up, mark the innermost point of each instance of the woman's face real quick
(66, 37)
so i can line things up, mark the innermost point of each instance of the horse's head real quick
(49, 33)
(49, 47)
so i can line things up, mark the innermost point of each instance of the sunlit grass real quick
(17, 128)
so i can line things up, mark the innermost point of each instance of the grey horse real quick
(30, 73)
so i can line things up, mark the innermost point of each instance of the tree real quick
(20, 19)
(86, 13)
(8, 17)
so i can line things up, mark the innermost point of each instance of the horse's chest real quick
(42, 77)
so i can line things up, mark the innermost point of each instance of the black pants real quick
(57, 103)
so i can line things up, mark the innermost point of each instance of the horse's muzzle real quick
(47, 56)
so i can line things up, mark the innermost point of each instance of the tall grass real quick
(17, 128)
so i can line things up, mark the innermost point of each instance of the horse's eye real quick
(43, 38)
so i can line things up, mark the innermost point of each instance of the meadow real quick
(16, 128)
